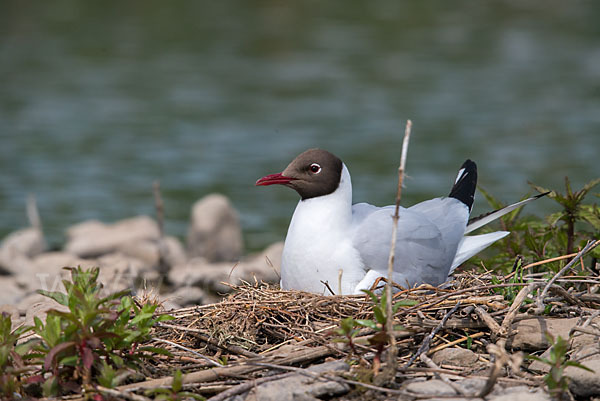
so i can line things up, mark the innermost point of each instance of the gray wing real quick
(428, 236)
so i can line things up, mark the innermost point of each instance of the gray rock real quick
(149, 251)
(583, 383)
(46, 271)
(431, 388)
(214, 232)
(175, 252)
(20, 246)
(455, 357)
(530, 333)
(186, 296)
(212, 276)
(540, 366)
(13, 312)
(120, 272)
(299, 387)
(40, 310)
(93, 238)
(11, 293)
(199, 272)
(519, 393)
(266, 266)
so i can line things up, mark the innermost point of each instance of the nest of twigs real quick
(260, 330)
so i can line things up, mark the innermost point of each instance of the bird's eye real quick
(315, 168)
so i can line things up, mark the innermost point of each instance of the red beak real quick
(274, 179)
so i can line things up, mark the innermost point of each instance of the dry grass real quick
(260, 332)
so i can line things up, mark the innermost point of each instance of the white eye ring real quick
(315, 168)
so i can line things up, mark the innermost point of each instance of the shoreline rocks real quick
(131, 253)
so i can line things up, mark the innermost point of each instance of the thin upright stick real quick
(540, 300)
(164, 263)
(393, 350)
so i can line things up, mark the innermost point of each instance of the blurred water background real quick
(100, 98)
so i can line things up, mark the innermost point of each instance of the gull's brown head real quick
(313, 173)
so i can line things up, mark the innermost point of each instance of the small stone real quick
(186, 296)
(93, 238)
(215, 232)
(211, 276)
(541, 366)
(45, 272)
(520, 393)
(20, 246)
(120, 272)
(11, 293)
(583, 383)
(11, 311)
(455, 357)
(430, 388)
(300, 387)
(40, 310)
(530, 333)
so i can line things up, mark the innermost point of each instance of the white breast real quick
(319, 244)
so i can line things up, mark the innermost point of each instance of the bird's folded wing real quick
(419, 243)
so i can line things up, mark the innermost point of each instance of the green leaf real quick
(177, 381)
(347, 324)
(156, 350)
(367, 323)
(578, 365)
(379, 314)
(59, 297)
(54, 352)
(591, 214)
(50, 387)
(588, 187)
(405, 302)
(163, 318)
(371, 295)
(537, 358)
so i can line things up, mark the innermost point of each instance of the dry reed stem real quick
(392, 349)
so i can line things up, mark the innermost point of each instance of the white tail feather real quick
(471, 245)
(499, 213)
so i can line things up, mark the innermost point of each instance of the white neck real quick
(318, 244)
(334, 210)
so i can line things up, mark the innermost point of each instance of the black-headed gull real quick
(347, 246)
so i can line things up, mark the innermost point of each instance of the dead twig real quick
(301, 355)
(163, 250)
(487, 319)
(540, 299)
(191, 351)
(121, 395)
(326, 377)
(427, 340)
(393, 349)
(234, 349)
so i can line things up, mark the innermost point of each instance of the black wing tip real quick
(542, 194)
(466, 183)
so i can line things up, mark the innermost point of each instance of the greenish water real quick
(99, 99)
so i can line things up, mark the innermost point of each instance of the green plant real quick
(536, 238)
(95, 336)
(558, 361)
(13, 357)
(348, 330)
(174, 393)
(349, 327)
(573, 209)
